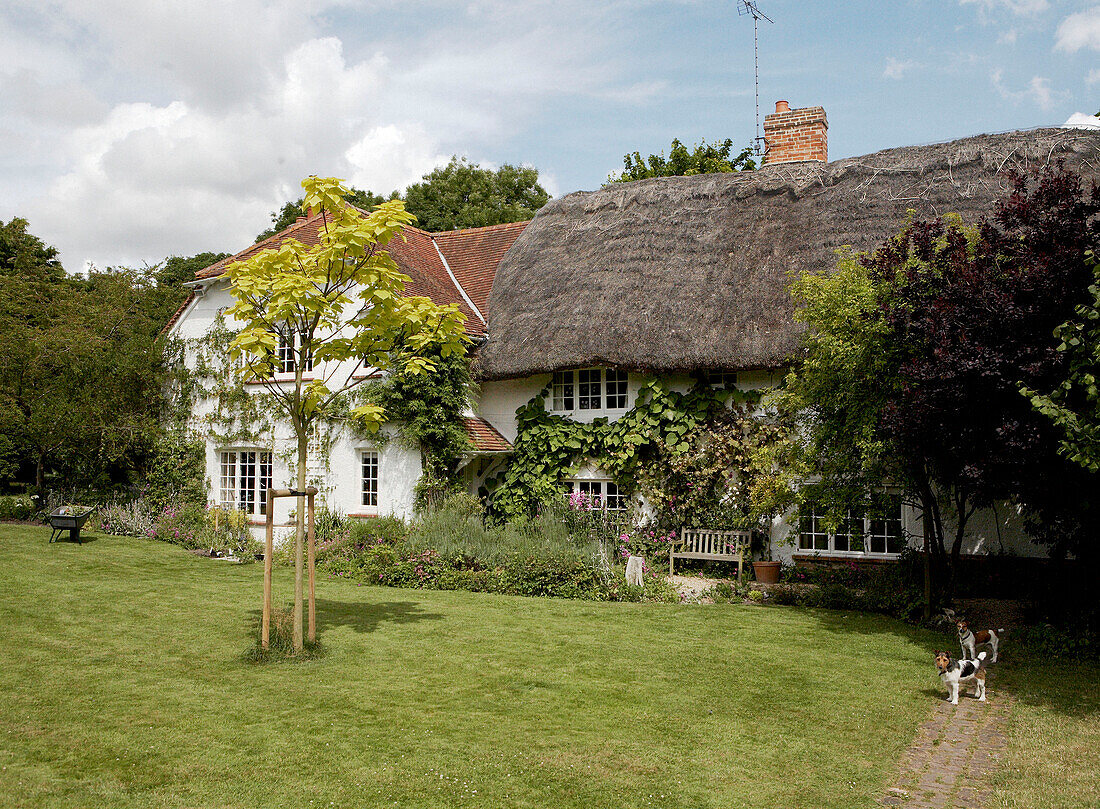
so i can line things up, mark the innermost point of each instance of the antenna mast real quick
(748, 7)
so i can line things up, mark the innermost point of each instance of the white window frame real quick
(369, 485)
(286, 354)
(869, 526)
(244, 478)
(603, 491)
(589, 390)
(720, 379)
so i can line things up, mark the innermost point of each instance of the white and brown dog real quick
(956, 672)
(970, 641)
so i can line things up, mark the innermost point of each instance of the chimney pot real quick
(782, 106)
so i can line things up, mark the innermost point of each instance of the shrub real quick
(19, 507)
(134, 518)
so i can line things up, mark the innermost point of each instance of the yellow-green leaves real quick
(340, 301)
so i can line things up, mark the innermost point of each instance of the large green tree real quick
(703, 158)
(465, 195)
(336, 307)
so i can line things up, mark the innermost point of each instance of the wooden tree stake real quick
(311, 544)
(269, 551)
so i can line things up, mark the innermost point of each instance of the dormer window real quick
(588, 389)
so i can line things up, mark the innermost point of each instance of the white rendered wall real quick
(339, 480)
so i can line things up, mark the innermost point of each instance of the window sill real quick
(363, 514)
(844, 556)
(279, 379)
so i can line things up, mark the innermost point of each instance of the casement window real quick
(245, 479)
(588, 389)
(877, 532)
(595, 494)
(369, 478)
(720, 379)
(287, 356)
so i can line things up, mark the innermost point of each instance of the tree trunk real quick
(928, 522)
(39, 474)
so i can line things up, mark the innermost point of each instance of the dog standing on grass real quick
(957, 672)
(970, 641)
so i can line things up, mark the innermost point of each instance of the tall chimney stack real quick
(792, 136)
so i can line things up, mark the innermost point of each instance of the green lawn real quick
(123, 683)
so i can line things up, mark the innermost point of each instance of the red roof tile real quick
(484, 436)
(473, 256)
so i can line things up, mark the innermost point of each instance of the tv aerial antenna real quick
(748, 7)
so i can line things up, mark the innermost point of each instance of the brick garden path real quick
(949, 763)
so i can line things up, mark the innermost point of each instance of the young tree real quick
(465, 195)
(705, 158)
(289, 213)
(338, 306)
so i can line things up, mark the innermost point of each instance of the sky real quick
(132, 130)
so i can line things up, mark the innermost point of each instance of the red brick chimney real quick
(794, 135)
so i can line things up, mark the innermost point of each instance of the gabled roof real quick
(484, 436)
(472, 256)
(692, 273)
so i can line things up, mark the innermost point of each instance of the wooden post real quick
(269, 551)
(311, 541)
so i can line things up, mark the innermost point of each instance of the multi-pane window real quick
(595, 494)
(245, 479)
(563, 391)
(879, 531)
(288, 354)
(370, 478)
(720, 379)
(588, 389)
(616, 389)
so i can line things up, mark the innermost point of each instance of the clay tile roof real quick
(484, 437)
(418, 258)
(474, 254)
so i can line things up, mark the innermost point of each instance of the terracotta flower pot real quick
(766, 572)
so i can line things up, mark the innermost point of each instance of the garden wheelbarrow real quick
(65, 519)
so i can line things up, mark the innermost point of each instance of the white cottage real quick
(673, 278)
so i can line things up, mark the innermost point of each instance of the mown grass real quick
(124, 682)
(1053, 759)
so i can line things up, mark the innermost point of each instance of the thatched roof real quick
(689, 273)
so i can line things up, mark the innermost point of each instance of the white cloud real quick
(149, 129)
(1080, 120)
(1038, 91)
(1093, 77)
(897, 68)
(1008, 37)
(1080, 30)
(1017, 7)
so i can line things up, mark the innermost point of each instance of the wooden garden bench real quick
(714, 546)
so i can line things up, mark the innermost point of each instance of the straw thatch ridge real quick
(691, 273)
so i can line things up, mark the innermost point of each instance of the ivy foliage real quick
(706, 436)
(428, 408)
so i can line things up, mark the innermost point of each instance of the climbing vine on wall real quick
(692, 455)
(211, 401)
(427, 409)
